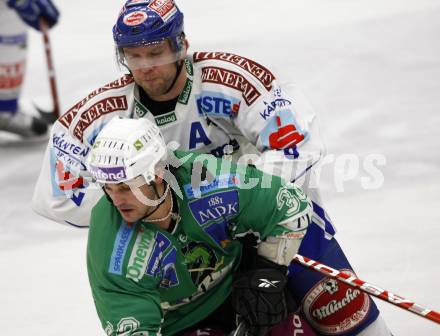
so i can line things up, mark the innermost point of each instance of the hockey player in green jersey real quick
(162, 247)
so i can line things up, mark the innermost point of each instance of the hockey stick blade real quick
(48, 117)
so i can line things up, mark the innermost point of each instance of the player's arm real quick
(31, 11)
(280, 214)
(61, 194)
(283, 127)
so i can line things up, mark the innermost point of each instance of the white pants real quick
(13, 50)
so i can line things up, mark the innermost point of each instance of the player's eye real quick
(124, 188)
(132, 56)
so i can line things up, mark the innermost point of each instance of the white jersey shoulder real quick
(61, 194)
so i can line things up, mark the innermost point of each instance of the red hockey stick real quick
(53, 115)
(368, 288)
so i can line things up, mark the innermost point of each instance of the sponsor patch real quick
(201, 260)
(165, 8)
(61, 178)
(11, 75)
(189, 67)
(186, 92)
(220, 182)
(138, 145)
(140, 254)
(99, 109)
(65, 179)
(135, 18)
(67, 147)
(215, 206)
(122, 240)
(333, 307)
(263, 75)
(64, 183)
(217, 104)
(233, 80)
(169, 273)
(273, 105)
(282, 131)
(14, 39)
(139, 109)
(160, 246)
(66, 118)
(165, 119)
(113, 174)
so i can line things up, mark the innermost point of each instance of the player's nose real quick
(117, 198)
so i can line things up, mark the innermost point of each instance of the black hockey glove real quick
(258, 296)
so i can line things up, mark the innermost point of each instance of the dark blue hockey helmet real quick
(148, 22)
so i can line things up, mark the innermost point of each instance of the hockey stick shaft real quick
(50, 68)
(368, 288)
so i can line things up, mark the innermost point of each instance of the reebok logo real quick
(267, 283)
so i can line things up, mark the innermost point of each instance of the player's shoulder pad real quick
(67, 118)
(217, 65)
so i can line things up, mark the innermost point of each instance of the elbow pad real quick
(281, 248)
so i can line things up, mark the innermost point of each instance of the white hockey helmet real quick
(125, 149)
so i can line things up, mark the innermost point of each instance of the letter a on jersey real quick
(197, 135)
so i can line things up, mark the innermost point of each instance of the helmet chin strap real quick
(145, 218)
(179, 66)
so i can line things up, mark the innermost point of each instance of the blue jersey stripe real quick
(120, 248)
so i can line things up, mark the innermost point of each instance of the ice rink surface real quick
(371, 71)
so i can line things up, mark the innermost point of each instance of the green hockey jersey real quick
(146, 280)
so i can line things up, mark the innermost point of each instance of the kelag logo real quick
(217, 104)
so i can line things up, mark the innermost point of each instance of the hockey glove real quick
(31, 11)
(258, 297)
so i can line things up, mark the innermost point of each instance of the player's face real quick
(153, 67)
(130, 208)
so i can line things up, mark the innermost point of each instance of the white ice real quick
(371, 70)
